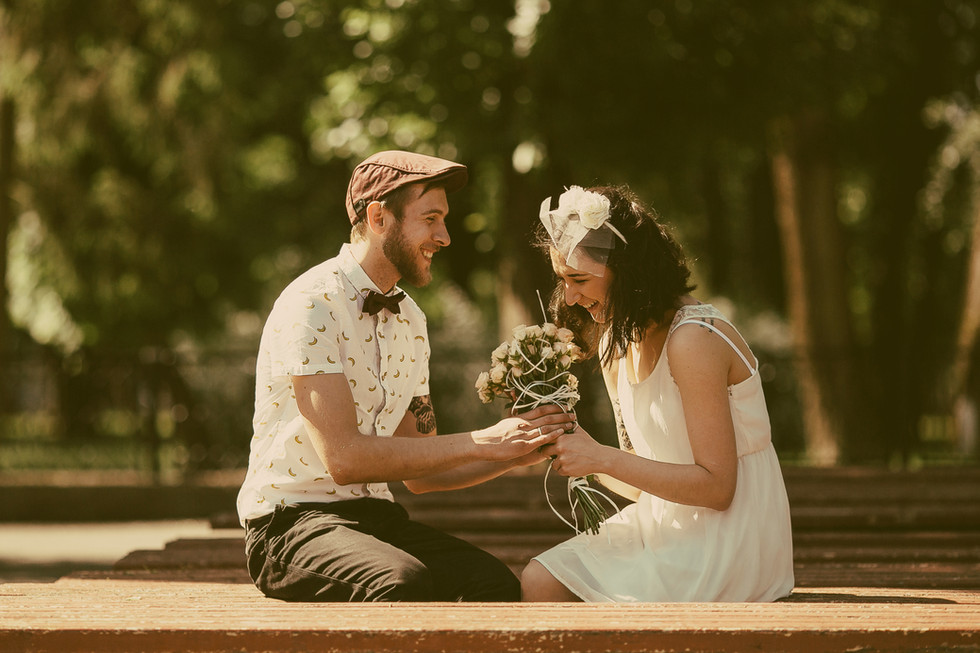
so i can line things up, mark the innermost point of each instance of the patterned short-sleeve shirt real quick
(317, 327)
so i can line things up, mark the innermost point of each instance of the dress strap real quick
(724, 337)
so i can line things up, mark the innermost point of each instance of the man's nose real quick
(441, 235)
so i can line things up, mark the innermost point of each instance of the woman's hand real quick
(577, 454)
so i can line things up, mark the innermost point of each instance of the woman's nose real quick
(571, 295)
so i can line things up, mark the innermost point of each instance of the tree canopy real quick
(166, 166)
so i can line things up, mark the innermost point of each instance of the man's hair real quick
(395, 202)
(650, 275)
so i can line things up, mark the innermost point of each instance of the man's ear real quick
(377, 221)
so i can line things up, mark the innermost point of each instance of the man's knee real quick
(401, 579)
(503, 587)
(407, 582)
(493, 582)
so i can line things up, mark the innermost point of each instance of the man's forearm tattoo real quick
(425, 417)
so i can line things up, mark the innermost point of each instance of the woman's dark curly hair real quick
(650, 275)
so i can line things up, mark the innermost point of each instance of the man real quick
(342, 407)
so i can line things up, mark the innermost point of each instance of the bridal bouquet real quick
(533, 369)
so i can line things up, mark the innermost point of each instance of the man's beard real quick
(406, 259)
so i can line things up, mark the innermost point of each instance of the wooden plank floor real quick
(883, 562)
(143, 613)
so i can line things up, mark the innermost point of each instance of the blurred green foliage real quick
(175, 163)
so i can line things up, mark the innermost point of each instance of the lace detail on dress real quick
(624, 439)
(702, 311)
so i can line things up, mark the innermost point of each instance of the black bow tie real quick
(375, 301)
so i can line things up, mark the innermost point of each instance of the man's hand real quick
(518, 436)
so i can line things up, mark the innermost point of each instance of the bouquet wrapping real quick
(532, 369)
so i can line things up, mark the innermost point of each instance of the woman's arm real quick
(700, 363)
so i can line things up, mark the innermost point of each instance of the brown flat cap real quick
(381, 173)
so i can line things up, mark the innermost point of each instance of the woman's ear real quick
(375, 216)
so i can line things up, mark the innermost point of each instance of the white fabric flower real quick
(580, 215)
(593, 210)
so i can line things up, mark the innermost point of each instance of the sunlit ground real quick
(45, 552)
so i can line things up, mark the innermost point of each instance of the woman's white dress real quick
(656, 550)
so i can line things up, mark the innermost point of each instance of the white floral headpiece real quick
(576, 229)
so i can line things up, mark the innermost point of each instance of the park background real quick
(167, 166)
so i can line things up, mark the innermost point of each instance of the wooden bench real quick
(884, 561)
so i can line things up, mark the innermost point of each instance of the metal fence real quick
(171, 412)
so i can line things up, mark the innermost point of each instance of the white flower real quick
(572, 381)
(596, 212)
(497, 373)
(549, 330)
(534, 331)
(499, 354)
(565, 335)
(565, 361)
(571, 199)
(592, 208)
(482, 381)
(547, 353)
(520, 332)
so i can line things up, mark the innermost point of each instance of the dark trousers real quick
(368, 550)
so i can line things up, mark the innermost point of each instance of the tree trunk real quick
(805, 198)
(7, 148)
(964, 406)
(6, 219)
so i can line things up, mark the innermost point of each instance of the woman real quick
(710, 520)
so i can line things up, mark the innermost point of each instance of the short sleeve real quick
(423, 352)
(305, 338)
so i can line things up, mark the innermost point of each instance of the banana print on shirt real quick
(317, 327)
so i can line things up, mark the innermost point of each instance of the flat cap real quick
(383, 172)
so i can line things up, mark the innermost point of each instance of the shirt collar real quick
(355, 273)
